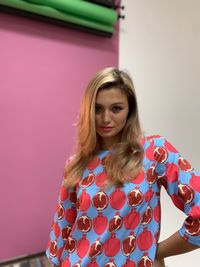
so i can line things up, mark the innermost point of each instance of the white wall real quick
(160, 47)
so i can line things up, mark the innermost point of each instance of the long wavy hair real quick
(124, 161)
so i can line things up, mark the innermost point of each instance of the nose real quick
(106, 118)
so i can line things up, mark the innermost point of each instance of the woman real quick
(108, 211)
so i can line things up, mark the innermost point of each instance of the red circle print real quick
(100, 223)
(63, 193)
(194, 182)
(53, 249)
(84, 201)
(185, 193)
(84, 224)
(112, 246)
(129, 263)
(132, 219)
(160, 154)
(115, 223)
(88, 180)
(93, 164)
(184, 165)
(135, 197)
(129, 245)
(145, 261)
(145, 240)
(82, 247)
(117, 199)
(95, 249)
(100, 200)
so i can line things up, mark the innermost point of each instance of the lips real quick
(106, 129)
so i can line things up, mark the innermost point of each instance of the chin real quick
(108, 135)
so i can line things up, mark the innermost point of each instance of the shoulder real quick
(156, 141)
(157, 148)
(153, 141)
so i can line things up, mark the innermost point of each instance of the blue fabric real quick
(120, 226)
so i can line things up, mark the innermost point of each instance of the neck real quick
(107, 143)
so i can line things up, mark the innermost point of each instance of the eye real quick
(98, 109)
(116, 109)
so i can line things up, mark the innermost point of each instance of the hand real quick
(159, 262)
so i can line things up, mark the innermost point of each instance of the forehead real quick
(111, 96)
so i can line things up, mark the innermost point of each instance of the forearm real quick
(174, 245)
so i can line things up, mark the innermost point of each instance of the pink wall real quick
(43, 72)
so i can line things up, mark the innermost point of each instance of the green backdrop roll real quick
(53, 13)
(81, 9)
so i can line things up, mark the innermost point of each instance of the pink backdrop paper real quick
(43, 72)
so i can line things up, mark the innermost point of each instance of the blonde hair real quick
(125, 159)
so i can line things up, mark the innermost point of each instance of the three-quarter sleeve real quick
(63, 221)
(182, 183)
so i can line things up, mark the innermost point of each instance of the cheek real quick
(122, 119)
(97, 119)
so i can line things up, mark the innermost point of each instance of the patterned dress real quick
(119, 227)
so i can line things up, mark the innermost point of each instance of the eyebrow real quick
(117, 103)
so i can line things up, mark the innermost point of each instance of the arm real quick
(174, 245)
(182, 184)
(63, 221)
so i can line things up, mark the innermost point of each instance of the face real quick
(111, 113)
